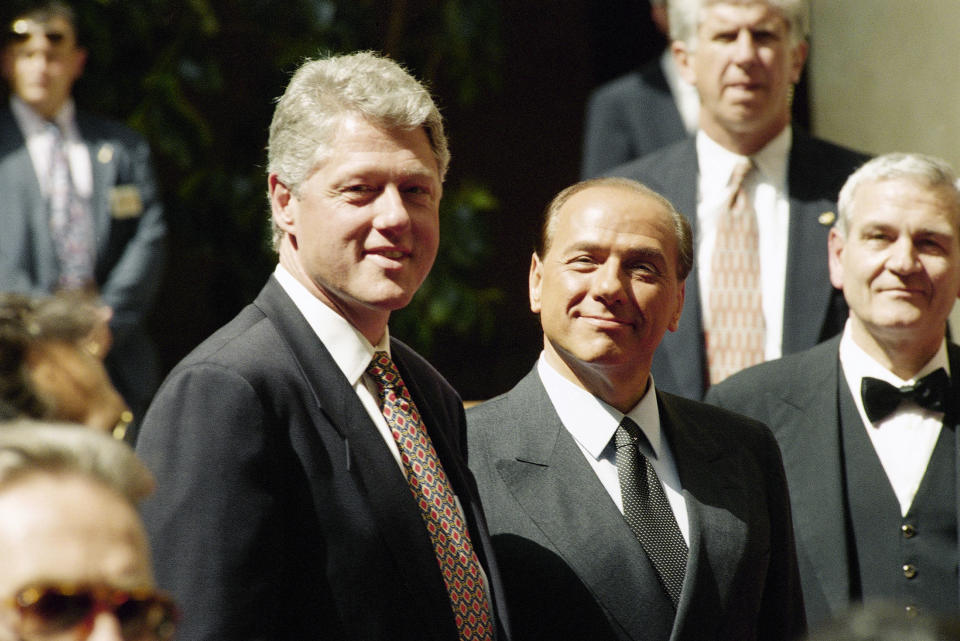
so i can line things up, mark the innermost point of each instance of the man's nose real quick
(745, 47)
(105, 627)
(392, 213)
(903, 257)
(608, 283)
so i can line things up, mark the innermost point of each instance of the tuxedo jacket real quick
(129, 236)
(813, 309)
(573, 568)
(280, 514)
(628, 118)
(798, 397)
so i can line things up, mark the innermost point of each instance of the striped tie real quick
(735, 329)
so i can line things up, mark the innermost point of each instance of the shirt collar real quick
(350, 349)
(591, 421)
(771, 161)
(857, 364)
(31, 123)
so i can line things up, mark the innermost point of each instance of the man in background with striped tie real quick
(311, 473)
(619, 511)
(759, 192)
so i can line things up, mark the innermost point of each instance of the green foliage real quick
(199, 77)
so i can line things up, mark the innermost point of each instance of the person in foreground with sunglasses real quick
(73, 552)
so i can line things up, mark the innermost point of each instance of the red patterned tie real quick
(736, 331)
(431, 489)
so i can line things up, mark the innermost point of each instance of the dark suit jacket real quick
(629, 117)
(797, 396)
(572, 566)
(129, 241)
(280, 514)
(813, 309)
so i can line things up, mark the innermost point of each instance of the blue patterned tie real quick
(438, 507)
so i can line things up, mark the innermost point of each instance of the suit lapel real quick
(679, 349)
(103, 165)
(369, 461)
(28, 197)
(807, 246)
(558, 490)
(713, 495)
(808, 417)
(953, 415)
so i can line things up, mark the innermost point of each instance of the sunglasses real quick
(50, 609)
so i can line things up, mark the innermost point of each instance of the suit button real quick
(908, 530)
(909, 571)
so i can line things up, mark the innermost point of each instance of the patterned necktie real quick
(647, 510)
(434, 495)
(71, 224)
(735, 336)
(880, 398)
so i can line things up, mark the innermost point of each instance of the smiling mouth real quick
(605, 322)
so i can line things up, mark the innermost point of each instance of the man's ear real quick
(835, 242)
(683, 56)
(536, 282)
(282, 204)
(681, 295)
(79, 62)
(799, 58)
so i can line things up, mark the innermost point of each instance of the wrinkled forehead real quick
(55, 32)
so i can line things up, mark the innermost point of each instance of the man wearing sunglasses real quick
(80, 209)
(74, 557)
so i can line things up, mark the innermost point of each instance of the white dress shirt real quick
(36, 132)
(767, 189)
(905, 439)
(350, 349)
(592, 424)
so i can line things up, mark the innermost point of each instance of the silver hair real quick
(931, 172)
(323, 91)
(685, 17)
(33, 447)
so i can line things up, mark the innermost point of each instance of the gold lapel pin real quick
(827, 218)
(105, 154)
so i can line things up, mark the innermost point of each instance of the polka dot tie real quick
(735, 329)
(647, 510)
(438, 508)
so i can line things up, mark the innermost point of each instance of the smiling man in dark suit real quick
(744, 58)
(311, 481)
(619, 511)
(80, 209)
(872, 471)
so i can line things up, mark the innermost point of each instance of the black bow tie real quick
(880, 398)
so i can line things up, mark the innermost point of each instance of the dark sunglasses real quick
(48, 609)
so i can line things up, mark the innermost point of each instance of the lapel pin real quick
(105, 154)
(827, 218)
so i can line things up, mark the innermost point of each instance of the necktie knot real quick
(880, 398)
(629, 433)
(383, 371)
